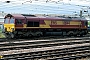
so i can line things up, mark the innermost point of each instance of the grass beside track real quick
(1, 35)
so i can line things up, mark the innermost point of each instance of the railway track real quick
(50, 53)
(38, 44)
(66, 41)
(49, 49)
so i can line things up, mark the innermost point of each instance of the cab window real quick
(12, 20)
(6, 20)
(18, 21)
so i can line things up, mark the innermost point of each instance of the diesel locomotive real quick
(16, 25)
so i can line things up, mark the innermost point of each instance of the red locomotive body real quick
(38, 26)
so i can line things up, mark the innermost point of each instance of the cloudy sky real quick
(44, 6)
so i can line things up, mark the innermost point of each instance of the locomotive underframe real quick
(44, 32)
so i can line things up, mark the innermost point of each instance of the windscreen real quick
(12, 20)
(6, 21)
(9, 20)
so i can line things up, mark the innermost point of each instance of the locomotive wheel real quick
(30, 35)
(44, 34)
(12, 35)
(9, 35)
(6, 35)
(70, 33)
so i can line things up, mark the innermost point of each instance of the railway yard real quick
(49, 38)
(45, 30)
(51, 48)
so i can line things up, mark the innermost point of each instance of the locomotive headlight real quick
(12, 29)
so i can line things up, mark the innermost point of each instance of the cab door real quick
(19, 23)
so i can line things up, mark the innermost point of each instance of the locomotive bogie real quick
(29, 32)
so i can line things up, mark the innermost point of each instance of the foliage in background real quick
(89, 23)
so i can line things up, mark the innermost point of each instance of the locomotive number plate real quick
(53, 22)
(66, 22)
